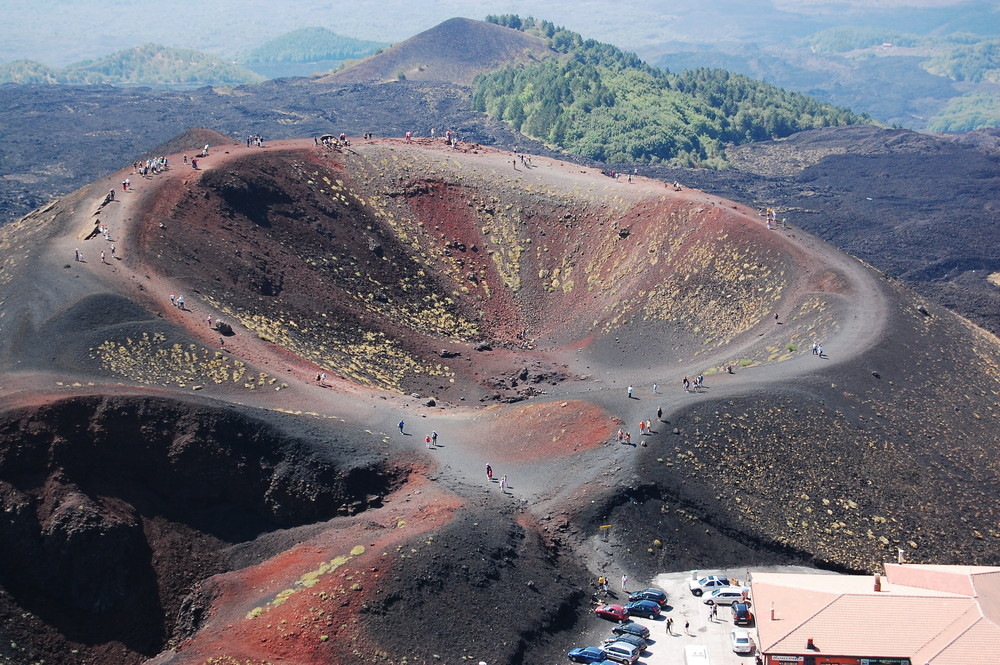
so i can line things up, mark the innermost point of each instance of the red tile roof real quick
(930, 614)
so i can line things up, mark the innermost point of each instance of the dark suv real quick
(632, 628)
(742, 616)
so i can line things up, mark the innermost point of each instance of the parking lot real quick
(684, 607)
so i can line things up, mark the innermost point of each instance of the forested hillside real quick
(149, 64)
(969, 62)
(966, 113)
(598, 101)
(312, 44)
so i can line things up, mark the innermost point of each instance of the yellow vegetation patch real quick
(152, 360)
(308, 580)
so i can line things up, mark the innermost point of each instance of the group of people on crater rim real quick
(770, 216)
(329, 140)
(146, 169)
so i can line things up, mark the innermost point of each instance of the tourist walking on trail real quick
(427, 440)
(434, 437)
(659, 414)
(624, 583)
(489, 472)
(401, 425)
(630, 392)
(686, 384)
(503, 483)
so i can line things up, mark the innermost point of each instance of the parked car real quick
(634, 640)
(631, 628)
(709, 583)
(655, 595)
(727, 595)
(613, 612)
(622, 652)
(741, 640)
(742, 616)
(587, 655)
(643, 608)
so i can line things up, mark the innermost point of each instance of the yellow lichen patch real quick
(308, 580)
(370, 358)
(433, 318)
(152, 360)
(722, 289)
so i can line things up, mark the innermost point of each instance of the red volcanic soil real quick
(533, 432)
(307, 603)
(242, 493)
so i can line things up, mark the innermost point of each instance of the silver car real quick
(727, 595)
(622, 652)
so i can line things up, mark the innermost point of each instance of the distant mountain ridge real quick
(310, 45)
(149, 64)
(454, 51)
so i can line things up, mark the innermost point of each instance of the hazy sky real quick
(57, 32)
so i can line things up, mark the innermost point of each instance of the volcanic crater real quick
(252, 476)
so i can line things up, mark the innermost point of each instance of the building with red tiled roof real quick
(913, 615)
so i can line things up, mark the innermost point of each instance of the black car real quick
(631, 628)
(742, 616)
(634, 640)
(655, 595)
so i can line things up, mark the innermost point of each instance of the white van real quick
(696, 654)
